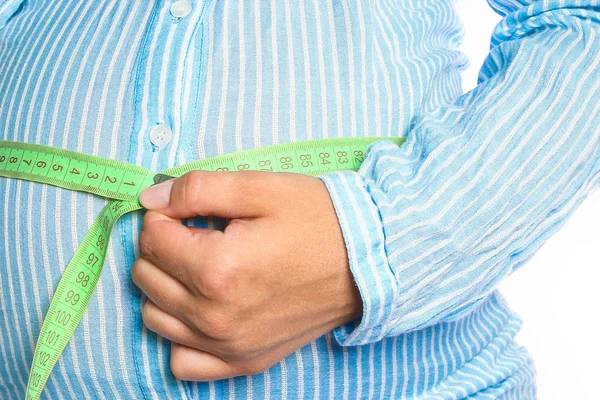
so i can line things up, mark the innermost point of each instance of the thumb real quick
(231, 195)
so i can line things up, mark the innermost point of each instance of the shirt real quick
(431, 227)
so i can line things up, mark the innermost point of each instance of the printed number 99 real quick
(72, 298)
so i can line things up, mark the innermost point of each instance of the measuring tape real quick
(123, 183)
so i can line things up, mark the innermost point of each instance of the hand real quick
(236, 302)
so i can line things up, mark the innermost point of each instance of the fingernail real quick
(157, 196)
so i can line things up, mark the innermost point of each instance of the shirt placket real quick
(157, 135)
(159, 128)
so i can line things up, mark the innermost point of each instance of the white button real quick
(181, 8)
(161, 135)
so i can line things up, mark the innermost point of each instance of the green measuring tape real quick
(123, 183)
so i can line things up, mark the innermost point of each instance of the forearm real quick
(432, 227)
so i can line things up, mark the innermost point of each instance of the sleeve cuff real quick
(363, 233)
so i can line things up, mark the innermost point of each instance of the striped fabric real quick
(431, 228)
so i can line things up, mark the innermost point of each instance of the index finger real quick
(180, 251)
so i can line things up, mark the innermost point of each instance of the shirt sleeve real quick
(433, 226)
(7, 9)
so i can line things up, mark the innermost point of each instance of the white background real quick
(558, 292)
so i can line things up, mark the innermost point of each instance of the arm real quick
(432, 227)
(7, 9)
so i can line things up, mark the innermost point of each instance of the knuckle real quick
(191, 183)
(215, 285)
(194, 178)
(219, 280)
(218, 330)
(145, 241)
(217, 325)
(147, 317)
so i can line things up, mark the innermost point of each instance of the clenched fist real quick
(235, 302)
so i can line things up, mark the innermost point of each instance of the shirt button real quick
(161, 135)
(181, 8)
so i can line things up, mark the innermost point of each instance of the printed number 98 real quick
(83, 279)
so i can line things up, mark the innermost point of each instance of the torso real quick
(95, 77)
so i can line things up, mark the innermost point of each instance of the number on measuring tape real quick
(14, 159)
(52, 338)
(92, 260)
(62, 317)
(325, 158)
(358, 156)
(83, 279)
(266, 163)
(72, 298)
(123, 183)
(286, 163)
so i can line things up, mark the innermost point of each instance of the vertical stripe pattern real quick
(484, 179)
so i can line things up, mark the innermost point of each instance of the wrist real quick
(349, 303)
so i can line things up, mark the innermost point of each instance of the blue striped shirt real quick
(431, 227)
